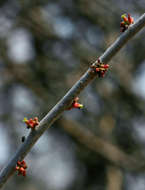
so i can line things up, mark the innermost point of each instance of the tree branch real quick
(61, 106)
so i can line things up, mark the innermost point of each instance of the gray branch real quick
(61, 106)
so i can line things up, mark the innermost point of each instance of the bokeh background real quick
(45, 46)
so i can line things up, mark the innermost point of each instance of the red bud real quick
(130, 19)
(106, 66)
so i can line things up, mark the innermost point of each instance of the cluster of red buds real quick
(75, 104)
(127, 20)
(21, 168)
(31, 123)
(100, 68)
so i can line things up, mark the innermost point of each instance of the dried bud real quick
(21, 168)
(23, 138)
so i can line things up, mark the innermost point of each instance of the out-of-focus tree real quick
(45, 46)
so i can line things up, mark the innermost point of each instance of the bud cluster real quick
(31, 123)
(21, 168)
(100, 68)
(127, 20)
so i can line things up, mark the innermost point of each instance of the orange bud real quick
(130, 19)
(76, 105)
(21, 170)
(97, 69)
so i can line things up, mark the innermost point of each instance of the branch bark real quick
(61, 106)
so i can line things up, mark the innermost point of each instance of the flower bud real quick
(124, 18)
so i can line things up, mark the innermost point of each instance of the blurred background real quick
(45, 47)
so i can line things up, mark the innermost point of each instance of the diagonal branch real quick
(61, 106)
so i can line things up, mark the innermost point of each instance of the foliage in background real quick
(45, 46)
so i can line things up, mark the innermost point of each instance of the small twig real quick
(65, 102)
